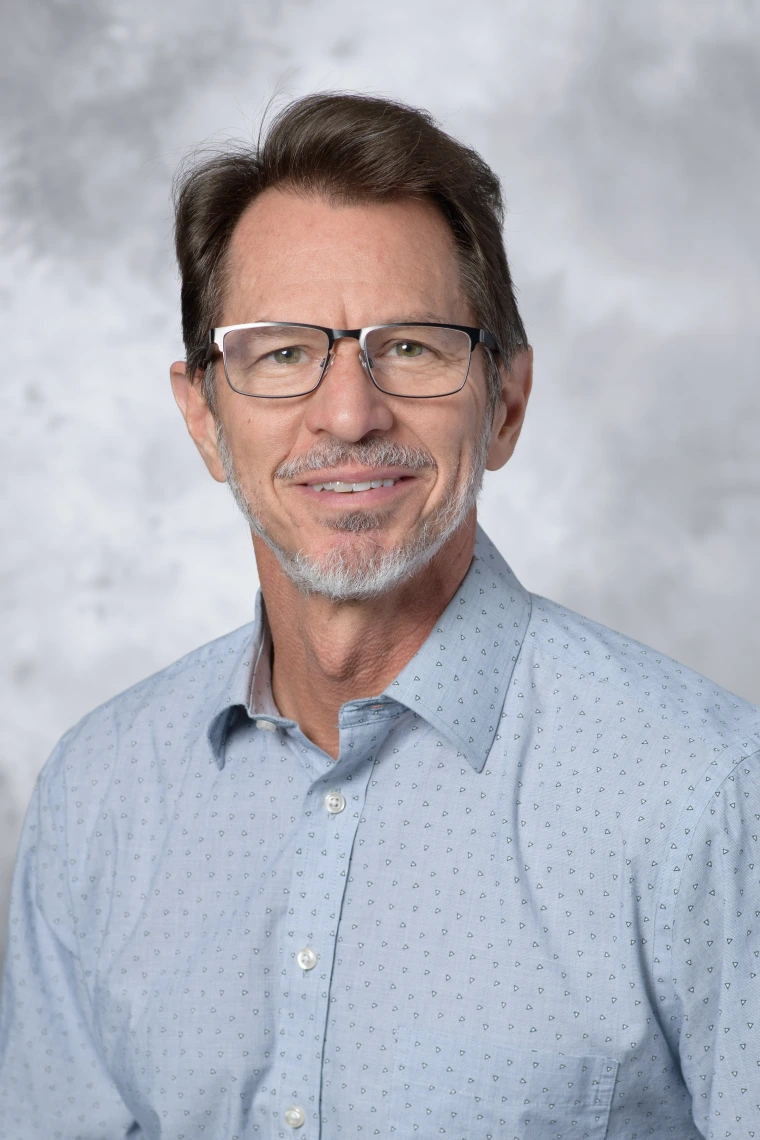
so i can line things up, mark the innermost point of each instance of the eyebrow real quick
(426, 318)
(403, 319)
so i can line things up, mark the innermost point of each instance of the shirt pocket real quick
(465, 1089)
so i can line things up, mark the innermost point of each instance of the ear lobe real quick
(509, 416)
(192, 403)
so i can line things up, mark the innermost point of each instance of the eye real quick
(292, 354)
(407, 349)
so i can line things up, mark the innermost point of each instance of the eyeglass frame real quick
(477, 336)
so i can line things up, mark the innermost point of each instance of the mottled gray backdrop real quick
(627, 139)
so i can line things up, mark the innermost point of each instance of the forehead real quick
(370, 259)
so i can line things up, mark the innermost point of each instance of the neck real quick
(327, 653)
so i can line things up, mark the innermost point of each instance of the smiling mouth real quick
(347, 488)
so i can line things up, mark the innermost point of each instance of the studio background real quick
(627, 140)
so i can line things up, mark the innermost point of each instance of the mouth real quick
(334, 488)
(342, 488)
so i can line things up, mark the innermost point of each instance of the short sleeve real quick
(716, 959)
(53, 1083)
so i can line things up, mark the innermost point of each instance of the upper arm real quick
(715, 958)
(53, 1082)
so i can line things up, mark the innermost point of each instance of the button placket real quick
(320, 874)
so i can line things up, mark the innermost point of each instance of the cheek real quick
(259, 440)
(453, 433)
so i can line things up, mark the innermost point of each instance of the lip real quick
(354, 475)
(374, 496)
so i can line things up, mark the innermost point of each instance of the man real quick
(417, 853)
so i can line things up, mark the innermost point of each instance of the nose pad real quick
(330, 358)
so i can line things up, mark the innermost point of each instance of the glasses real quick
(280, 360)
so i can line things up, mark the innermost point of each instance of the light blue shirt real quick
(524, 901)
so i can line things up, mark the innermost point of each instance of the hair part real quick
(350, 149)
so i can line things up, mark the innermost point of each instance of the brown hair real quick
(350, 148)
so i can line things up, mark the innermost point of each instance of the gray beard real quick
(366, 570)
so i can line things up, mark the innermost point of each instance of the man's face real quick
(302, 259)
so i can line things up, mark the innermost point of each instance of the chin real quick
(358, 565)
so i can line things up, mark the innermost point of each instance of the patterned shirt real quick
(523, 903)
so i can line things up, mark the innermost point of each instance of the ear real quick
(516, 383)
(191, 401)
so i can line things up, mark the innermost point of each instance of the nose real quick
(347, 405)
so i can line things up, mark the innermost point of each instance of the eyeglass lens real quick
(287, 360)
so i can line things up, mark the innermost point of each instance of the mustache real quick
(373, 452)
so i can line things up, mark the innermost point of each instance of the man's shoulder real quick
(182, 696)
(639, 681)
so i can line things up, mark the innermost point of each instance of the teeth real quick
(342, 488)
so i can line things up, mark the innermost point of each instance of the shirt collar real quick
(245, 679)
(457, 681)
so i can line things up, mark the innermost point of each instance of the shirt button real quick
(266, 725)
(307, 960)
(294, 1116)
(335, 802)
